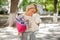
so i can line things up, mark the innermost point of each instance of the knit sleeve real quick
(36, 18)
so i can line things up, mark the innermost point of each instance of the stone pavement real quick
(8, 33)
(45, 32)
(49, 32)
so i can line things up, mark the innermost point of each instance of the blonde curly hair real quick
(30, 7)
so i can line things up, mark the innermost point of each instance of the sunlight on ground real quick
(44, 30)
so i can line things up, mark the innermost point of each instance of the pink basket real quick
(20, 27)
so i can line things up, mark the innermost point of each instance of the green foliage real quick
(3, 11)
(3, 2)
(49, 7)
(59, 5)
(25, 3)
(48, 4)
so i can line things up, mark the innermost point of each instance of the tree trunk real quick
(55, 11)
(55, 5)
(13, 10)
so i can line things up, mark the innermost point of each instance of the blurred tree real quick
(3, 2)
(47, 4)
(24, 4)
(58, 5)
(55, 5)
(13, 11)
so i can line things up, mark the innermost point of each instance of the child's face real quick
(32, 10)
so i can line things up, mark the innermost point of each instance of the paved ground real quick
(8, 34)
(46, 32)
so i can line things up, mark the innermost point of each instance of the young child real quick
(33, 17)
(20, 24)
